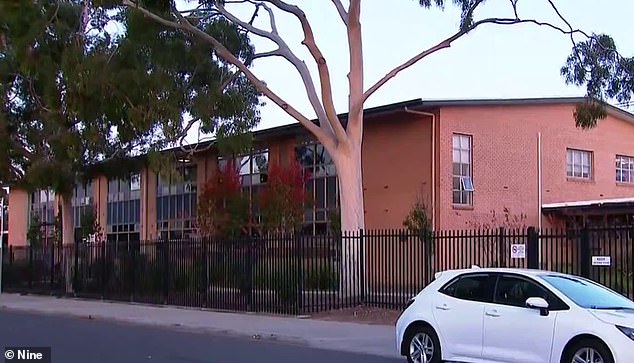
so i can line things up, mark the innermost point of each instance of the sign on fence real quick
(601, 261)
(518, 251)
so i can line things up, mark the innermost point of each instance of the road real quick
(75, 340)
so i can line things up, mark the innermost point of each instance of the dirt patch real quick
(360, 314)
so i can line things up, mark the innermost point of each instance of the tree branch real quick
(272, 53)
(285, 52)
(230, 80)
(225, 54)
(514, 5)
(322, 67)
(184, 135)
(342, 11)
(355, 77)
(448, 41)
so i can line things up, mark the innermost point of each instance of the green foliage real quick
(334, 220)
(418, 218)
(418, 221)
(84, 83)
(597, 64)
(33, 233)
(90, 224)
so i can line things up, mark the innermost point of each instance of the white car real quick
(497, 315)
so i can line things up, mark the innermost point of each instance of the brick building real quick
(468, 159)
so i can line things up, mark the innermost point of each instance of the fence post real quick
(206, 245)
(532, 248)
(502, 247)
(30, 267)
(166, 272)
(299, 249)
(132, 260)
(103, 269)
(429, 244)
(76, 269)
(362, 270)
(52, 279)
(584, 253)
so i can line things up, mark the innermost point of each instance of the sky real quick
(491, 62)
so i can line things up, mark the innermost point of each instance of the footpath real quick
(341, 336)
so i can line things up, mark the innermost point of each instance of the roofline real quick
(589, 203)
(418, 103)
(503, 101)
(477, 102)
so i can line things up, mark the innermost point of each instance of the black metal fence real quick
(307, 274)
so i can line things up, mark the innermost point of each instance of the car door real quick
(514, 333)
(459, 311)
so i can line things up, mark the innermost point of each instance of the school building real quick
(474, 162)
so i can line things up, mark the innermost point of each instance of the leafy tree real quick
(83, 84)
(284, 198)
(594, 63)
(223, 210)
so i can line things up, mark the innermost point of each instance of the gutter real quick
(433, 161)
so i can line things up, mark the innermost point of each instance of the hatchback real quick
(496, 315)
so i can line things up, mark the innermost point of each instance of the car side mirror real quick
(539, 304)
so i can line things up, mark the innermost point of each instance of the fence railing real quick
(307, 274)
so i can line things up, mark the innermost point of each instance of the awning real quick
(624, 204)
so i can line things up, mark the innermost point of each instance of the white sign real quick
(518, 251)
(601, 260)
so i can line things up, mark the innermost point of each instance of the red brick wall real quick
(505, 159)
(396, 167)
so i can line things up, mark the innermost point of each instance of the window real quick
(83, 211)
(135, 182)
(588, 294)
(625, 169)
(470, 287)
(462, 170)
(579, 164)
(123, 220)
(176, 202)
(321, 187)
(515, 290)
(42, 216)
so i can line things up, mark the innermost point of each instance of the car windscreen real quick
(588, 294)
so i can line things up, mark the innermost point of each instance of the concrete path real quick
(349, 337)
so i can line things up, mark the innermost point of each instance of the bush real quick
(268, 274)
(285, 283)
(322, 278)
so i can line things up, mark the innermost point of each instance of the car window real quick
(515, 290)
(588, 294)
(470, 287)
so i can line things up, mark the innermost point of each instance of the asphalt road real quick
(74, 340)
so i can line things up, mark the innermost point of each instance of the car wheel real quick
(588, 350)
(423, 345)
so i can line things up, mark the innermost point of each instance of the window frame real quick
(322, 185)
(176, 203)
(558, 305)
(570, 164)
(457, 279)
(630, 170)
(466, 187)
